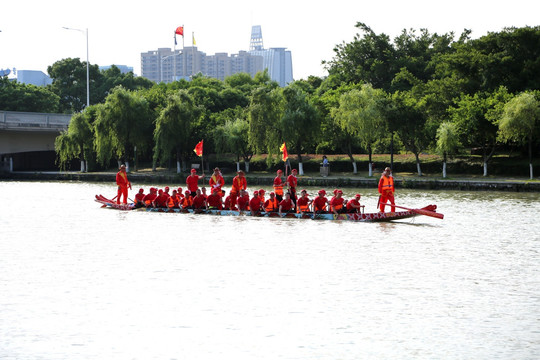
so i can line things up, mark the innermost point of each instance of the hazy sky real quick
(32, 37)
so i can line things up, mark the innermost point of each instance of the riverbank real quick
(336, 180)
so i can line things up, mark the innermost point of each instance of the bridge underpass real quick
(27, 140)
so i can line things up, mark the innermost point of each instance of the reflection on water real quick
(81, 282)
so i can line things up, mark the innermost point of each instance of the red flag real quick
(180, 30)
(199, 148)
(283, 149)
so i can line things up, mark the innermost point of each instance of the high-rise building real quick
(166, 65)
(278, 61)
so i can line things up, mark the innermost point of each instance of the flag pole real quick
(192, 54)
(174, 52)
(183, 57)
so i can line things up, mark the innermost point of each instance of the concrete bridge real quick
(27, 139)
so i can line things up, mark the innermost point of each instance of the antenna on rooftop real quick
(256, 42)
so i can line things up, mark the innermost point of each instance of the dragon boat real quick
(429, 210)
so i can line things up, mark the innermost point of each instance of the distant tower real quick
(256, 38)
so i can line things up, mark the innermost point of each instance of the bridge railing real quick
(15, 120)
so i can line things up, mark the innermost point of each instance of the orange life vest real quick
(272, 205)
(387, 184)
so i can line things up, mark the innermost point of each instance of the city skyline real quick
(32, 35)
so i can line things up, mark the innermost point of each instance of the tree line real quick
(415, 93)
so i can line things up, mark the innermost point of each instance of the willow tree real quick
(447, 141)
(173, 128)
(264, 113)
(299, 123)
(519, 122)
(78, 140)
(360, 112)
(231, 137)
(122, 124)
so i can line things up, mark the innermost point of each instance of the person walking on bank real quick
(123, 184)
(386, 189)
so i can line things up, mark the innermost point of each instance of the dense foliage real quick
(419, 92)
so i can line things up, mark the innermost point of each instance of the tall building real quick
(166, 65)
(278, 61)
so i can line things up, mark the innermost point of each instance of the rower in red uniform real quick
(320, 203)
(150, 197)
(286, 205)
(161, 200)
(243, 200)
(353, 205)
(214, 200)
(278, 185)
(336, 204)
(292, 182)
(386, 189)
(187, 201)
(123, 184)
(271, 205)
(139, 202)
(192, 182)
(174, 200)
(217, 181)
(199, 202)
(255, 204)
(303, 202)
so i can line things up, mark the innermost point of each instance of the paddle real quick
(111, 201)
(421, 211)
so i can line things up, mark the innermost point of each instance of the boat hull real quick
(369, 217)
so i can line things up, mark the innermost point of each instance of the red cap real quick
(358, 195)
(261, 191)
(280, 171)
(141, 190)
(294, 170)
(193, 170)
(272, 193)
(255, 192)
(322, 191)
(335, 191)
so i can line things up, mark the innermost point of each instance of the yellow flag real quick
(193, 36)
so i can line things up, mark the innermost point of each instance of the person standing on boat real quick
(192, 182)
(292, 182)
(216, 181)
(239, 183)
(278, 185)
(123, 184)
(386, 189)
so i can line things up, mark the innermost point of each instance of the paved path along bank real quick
(335, 181)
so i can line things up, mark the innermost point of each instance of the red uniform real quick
(386, 189)
(214, 201)
(238, 183)
(336, 203)
(199, 202)
(216, 182)
(255, 203)
(286, 205)
(192, 182)
(302, 204)
(123, 184)
(227, 204)
(319, 204)
(278, 187)
(243, 203)
(161, 200)
(149, 198)
(350, 207)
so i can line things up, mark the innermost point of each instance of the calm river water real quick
(81, 282)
